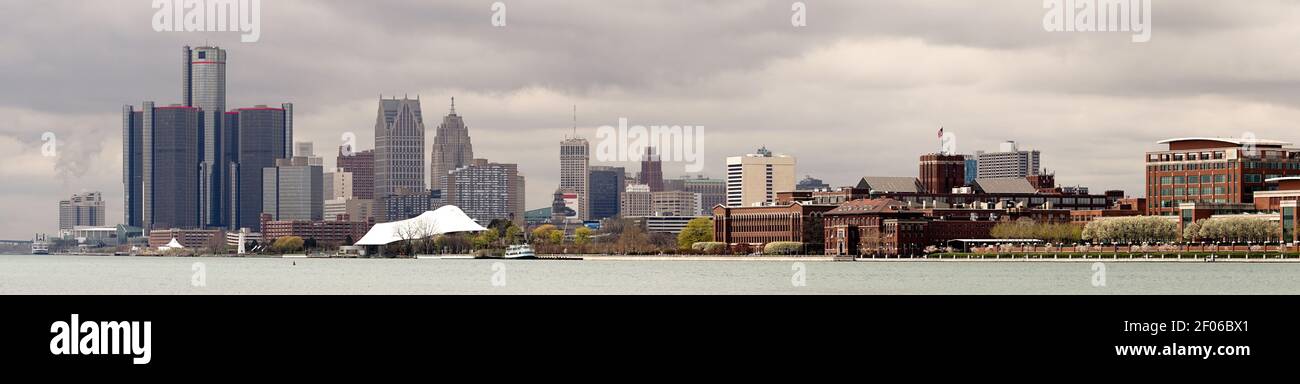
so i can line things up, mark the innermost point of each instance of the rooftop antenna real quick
(575, 120)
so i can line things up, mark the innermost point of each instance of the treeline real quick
(1028, 229)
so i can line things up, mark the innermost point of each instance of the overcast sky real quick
(861, 90)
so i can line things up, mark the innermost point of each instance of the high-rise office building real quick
(169, 156)
(940, 172)
(407, 204)
(486, 191)
(338, 185)
(82, 210)
(575, 161)
(204, 87)
(638, 201)
(811, 184)
(362, 167)
(713, 192)
(291, 190)
(972, 168)
(132, 166)
(451, 147)
(754, 179)
(308, 150)
(399, 149)
(676, 203)
(257, 140)
(1008, 162)
(605, 191)
(652, 170)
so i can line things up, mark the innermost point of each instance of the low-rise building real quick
(756, 226)
(190, 238)
(340, 231)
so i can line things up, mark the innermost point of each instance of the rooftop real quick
(1005, 185)
(890, 184)
(1227, 140)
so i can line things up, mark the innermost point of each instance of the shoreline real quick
(1030, 258)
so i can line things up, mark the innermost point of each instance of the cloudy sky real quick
(859, 91)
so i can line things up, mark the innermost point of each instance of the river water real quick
(27, 274)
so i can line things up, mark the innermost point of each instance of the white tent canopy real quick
(172, 245)
(448, 219)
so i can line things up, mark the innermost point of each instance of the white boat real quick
(40, 246)
(521, 251)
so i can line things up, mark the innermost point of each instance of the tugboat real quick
(40, 246)
(520, 251)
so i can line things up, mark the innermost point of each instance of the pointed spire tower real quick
(575, 162)
(451, 148)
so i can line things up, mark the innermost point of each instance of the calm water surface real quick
(26, 274)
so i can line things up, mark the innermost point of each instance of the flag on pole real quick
(940, 132)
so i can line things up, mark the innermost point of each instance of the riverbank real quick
(1193, 257)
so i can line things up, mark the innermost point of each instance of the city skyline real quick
(987, 80)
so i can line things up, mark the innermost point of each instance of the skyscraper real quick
(338, 185)
(308, 150)
(132, 165)
(83, 209)
(713, 192)
(810, 183)
(258, 139)
(204, 87)
(754, 179)
(575, 159)
(1008, 162)
(606, 189)
(652, 170)
(169, 155)
(486, 191)
(362, 167)
(451, 147)
(292, 190)
(676, 203)
(399, 149)
(638, 201)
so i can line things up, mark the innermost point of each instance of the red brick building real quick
(940, 173)
(1214, 171)
(756, 226)
(189, 238)
(324, 232)
(893, 227)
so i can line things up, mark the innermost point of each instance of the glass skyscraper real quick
(169, 166)
(204, 87)
(258, 137)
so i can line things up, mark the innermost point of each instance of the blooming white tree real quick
(1138, 229)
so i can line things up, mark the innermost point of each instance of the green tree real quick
(582, 236)
(556, 236)
(485, 239)
(543, 233)
(287, 244)
(696, 231)
(513, 234)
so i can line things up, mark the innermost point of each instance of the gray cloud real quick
(859, 91)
